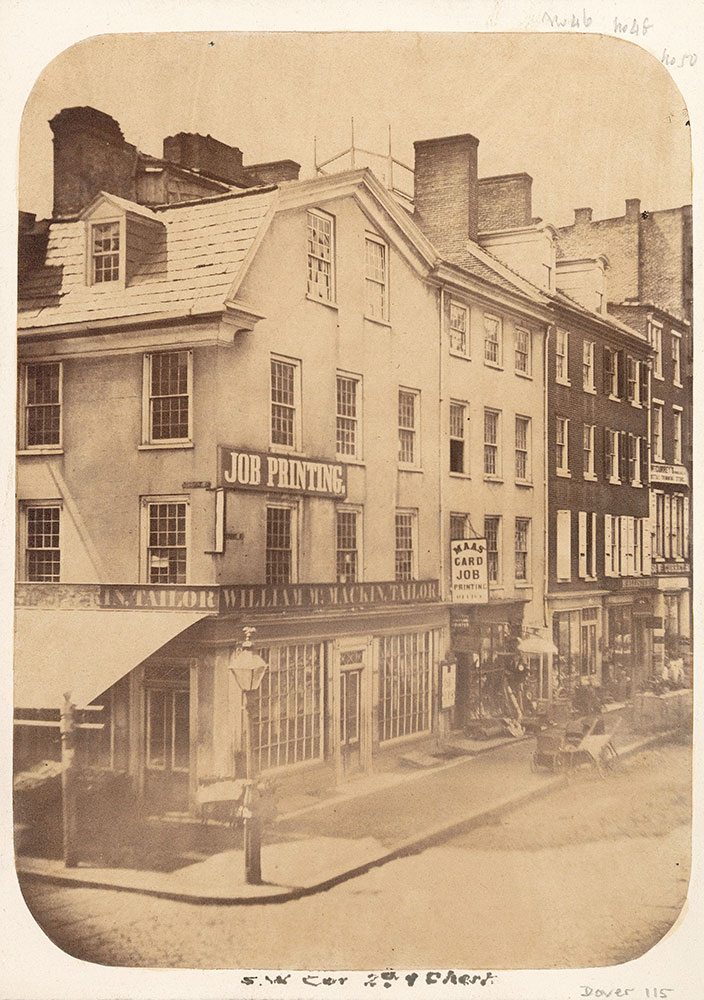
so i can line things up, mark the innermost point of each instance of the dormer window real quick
(105, 252)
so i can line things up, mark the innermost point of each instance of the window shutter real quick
(630, 546)
(647, 547)
(607, 453)
(564, 550)
(644, 460)
(622, 456)
(622, 567)
(685, 528)
(582, 520)
(644, 383)
(608, 565)
(607, 370)
(621, 355)
(668, 527)
(593, 552)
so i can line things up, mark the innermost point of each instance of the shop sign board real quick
(470, 581)
(325, 595)
(660, 473)
(448, 677)
(272, 473)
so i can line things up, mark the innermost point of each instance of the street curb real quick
(413, 845)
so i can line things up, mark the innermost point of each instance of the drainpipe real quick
(546, 524)
(441, 504)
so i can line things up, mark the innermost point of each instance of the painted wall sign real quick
(470, 581)
(660, 473)
(254, 470)
(312, 595)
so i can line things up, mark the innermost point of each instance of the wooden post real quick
(68, 783)
(252, 810)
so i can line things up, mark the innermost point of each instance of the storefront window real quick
(405, 679)
(287, 708)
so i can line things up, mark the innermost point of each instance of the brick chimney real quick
(582, 216)
(90, 155)
(207, 156)
(446, 190)
(505, 202)
(273, 172)
(632, 209)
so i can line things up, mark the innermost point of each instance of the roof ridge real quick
(225, 196)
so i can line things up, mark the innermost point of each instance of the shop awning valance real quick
(83, 652)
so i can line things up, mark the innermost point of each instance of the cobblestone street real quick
(593, 874)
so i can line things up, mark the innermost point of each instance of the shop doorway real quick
(351, 721)
(167, 739)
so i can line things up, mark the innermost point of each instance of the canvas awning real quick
(537, 645)
(83, 652)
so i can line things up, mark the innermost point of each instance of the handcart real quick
(565, 748)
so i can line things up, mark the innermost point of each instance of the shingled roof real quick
(191, 271)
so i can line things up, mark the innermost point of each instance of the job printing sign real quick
(253, 470)
(470, 580)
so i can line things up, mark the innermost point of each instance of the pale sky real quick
(593, 119)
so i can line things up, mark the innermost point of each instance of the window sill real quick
(636, 403)
(523, 584)
(525, 483)
(458, 354)
(492, 479)
(591, 389)
(614, 399)
(348, 460)
(493, 364)
(409, 468)
(678, 385)
(563, 473)
(614, 480)
(637, 486)
(590, 477)
(459, 475)
(563, 381)
(660, 378)
(165, 446)
(322, 302)
(40, 451)
(524, 374)
(377, 321)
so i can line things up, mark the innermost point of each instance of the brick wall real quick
(663, 261)
(618, 239)
(505, 202)
(445, 192)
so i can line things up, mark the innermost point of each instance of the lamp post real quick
(248, 669)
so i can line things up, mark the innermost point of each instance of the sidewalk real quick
(371, 821)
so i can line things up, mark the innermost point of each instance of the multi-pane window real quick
(459, 329)
(347, 546)
(521, 546)
(42, 386)
(523, 472)
(611, 373)
(458, 425)
(655, 341)
(408, 403)
(459, 526)
(376, 278)
(284, 402)
(105, 251)
(321, 256)
(522, 354)
(492, 526)
(280, 544)
(660, 532)
(492, 458)
(677, 526)
(492, 340)
(287, 708)
(405, 545)
(348, 416)
(562, 426)
(562, 356)
(633, 380)
(634, 461)
(588, 450)
(43, 550)
(676, 358)
(588, 365)
(677, 435)
(656, 431)
(166, 555)
(405, 684)
(169, 378)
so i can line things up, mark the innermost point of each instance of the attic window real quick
(105, 252)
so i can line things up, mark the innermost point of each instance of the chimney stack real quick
(90, 155)
(207, 156)
(446, 190)
(582, 216)
(632, 209)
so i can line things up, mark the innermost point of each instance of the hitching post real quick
(68, 782)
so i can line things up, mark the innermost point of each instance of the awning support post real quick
(68, 783)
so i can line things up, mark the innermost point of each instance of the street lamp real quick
(248, 669)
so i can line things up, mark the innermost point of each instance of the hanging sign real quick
(470, 582)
